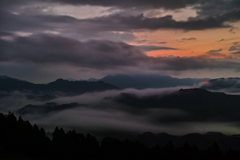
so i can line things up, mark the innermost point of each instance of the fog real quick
(102, 112)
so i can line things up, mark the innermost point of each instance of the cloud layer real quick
(102, 54)
(134, 110)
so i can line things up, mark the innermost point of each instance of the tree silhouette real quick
(19, 139)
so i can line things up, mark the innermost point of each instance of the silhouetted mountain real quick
(92, 80)
(46, 108)
(232, 84)
(40, 97)
(78, 86)
(200, 104)
(70, 79)
(68, 87)
(12, 84)
(4, 77)
(148, 81)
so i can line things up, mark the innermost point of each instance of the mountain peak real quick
(4, 77)
(60, 80)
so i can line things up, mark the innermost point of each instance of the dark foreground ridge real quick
(21, 140)
(204, 106)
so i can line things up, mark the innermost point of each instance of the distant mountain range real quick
(8, 84)
(118, 81)
(148, 81)
(144, 81)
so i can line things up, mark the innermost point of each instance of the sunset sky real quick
(42, 40)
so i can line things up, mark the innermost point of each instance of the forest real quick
(19, 139)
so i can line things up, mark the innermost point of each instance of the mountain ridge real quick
(148, 81)
(9, 84)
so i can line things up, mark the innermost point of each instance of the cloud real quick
(235, 47)
(193, 63)
(166, 22)
(188, 39)
(55, 49)
(107, 26)
(2, 33)
(44, 49)
(174, 4)
(236, 43)
(217, 7)
(134, 110)
(238, 52)
(232, 31)
(152, 48)
(232, 48)
(161, 42)
(221, 40)
(214, 51)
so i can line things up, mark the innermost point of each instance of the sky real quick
(42, 40)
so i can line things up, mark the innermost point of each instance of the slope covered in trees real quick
(19, 139)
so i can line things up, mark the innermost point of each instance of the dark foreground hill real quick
(8, 84)
(199, 105)
(21, 140)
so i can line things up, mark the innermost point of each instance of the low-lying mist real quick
(128, 110)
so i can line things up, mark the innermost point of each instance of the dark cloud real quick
(103, 26)
(232, 31)
(193, 63)
(238, 52)
(2, 33)
(51, 49)
(11, 3)
(31, 23)
(167, 22)
(235, 47)
(152, 48)
(188, 39)
(205, 5)
(232, 48)
(221, 40)
(54, 49)
(236, 43)
(173, 4)
(161, 42)
(214, 51)
(217, 7)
